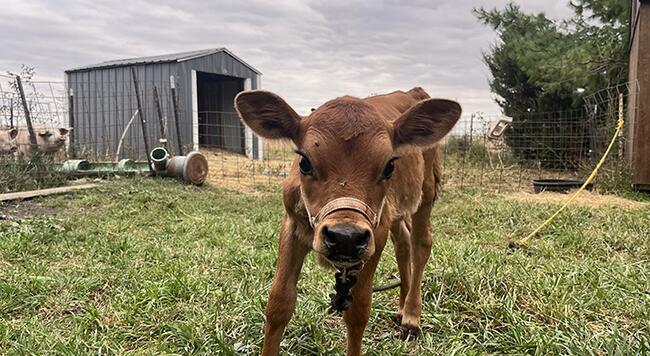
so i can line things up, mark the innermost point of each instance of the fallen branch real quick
(44, 192)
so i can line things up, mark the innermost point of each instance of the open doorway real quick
(218, 123)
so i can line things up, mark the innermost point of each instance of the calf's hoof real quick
(397, 319)
(410, 332)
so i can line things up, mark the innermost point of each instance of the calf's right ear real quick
(267, 114)
(425, 123)
(13, 133)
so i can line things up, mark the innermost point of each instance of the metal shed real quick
(103, 101)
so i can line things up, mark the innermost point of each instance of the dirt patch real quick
(585, 199)
(26, 209)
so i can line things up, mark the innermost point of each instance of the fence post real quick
(11, 113)
(471, 130)
(28, 119)
(73, 148)
(620, 137)
(620, 133)
(175, 104)
(161, 123)
(142, 118)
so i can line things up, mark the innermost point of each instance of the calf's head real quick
(8, 141)
(346, 156)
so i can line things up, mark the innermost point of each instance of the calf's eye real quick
(305, 166)
(388, 170)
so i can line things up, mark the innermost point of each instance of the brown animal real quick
(48, 140)
(8, 141)
(364, 167)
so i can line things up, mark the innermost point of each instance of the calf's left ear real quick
(13, 133)
(64, 130)
(425, 123)
(267, 114)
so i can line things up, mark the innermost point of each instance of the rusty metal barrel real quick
(192, 168)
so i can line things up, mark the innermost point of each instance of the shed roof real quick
(165, 58)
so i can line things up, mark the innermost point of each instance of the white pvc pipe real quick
(119, 145)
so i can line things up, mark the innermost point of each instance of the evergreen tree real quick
(541, 65)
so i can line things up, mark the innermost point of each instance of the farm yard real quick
(151, 266)
(162, 203)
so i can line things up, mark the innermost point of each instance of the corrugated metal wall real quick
(104, 102)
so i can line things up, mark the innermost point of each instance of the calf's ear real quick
(64, 130)
(425, 123)
(13, 133)
(267, 114)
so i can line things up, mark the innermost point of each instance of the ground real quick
(154, 266)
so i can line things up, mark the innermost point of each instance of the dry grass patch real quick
(585, 199)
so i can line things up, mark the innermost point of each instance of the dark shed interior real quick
(219, 126)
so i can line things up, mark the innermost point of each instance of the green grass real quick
(36, 172)
(152, 266)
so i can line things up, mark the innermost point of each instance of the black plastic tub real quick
(558, 185)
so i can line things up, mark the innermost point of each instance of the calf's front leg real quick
(282, 298)
(421, 242)
(356, 318)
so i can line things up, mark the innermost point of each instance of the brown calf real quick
(364, 167)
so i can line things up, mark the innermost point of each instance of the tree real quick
(601, 30)
(539, 65)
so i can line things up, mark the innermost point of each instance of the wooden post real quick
(471, 131)
(161, 121)
(11, 113)
(620, 133)
(28, 119)
(175, 104)
(73, 149)
(621, 164)
(142, 118)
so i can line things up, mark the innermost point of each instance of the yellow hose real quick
(619, 127)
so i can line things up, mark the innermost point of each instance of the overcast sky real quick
(308, 51)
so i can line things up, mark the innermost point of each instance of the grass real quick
(152, 266)
(23, 174)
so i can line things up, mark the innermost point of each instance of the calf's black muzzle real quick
(345, 242)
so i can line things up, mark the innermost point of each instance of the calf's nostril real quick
(362, 239)
(328, 238)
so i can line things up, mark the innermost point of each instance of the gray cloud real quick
(309, 51)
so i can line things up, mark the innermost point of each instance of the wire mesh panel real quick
(553, 145)
(236, 163)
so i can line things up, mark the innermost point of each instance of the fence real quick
(554, 145)
(489, 151)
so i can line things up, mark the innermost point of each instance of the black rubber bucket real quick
(558, 185)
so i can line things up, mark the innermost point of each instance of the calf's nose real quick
(345, 242)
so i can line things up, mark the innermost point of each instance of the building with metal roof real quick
(104, 101)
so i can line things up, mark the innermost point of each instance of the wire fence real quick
(121, 122)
